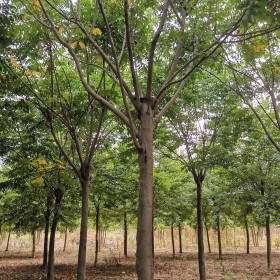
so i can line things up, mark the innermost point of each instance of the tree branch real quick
(152, 50)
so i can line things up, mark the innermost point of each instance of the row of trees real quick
(172, 65)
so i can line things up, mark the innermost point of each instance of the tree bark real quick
(58, 198)
(247, 236)
(125, 235)
(144, 252)
(81, 271)
(97, 208)
(219, 238)
(254, 236)
(267, 229)
(268, 241)
(208, 238)
(46, 232)
(65, 239)
(8, 241)
(180, 239)
(33, 243)
(201, 260)
(172, 239)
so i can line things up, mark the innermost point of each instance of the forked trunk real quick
(125, 235)
(201, 261)
(50, 275)
(96, 235)
(247, 236)
(144, 252)
(81, 273)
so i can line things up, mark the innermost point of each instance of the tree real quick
(173, 37)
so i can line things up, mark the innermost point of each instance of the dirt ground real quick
(18, 264)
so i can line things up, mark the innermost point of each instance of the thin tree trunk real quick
(267, 230)
(201, 259)
(144, 252)
(46, 232)
(208, 238)
(180, 239)
(65, 239)
(33, 243)
(172, 239)
(268, 242)
(96, 234)
(81, 271)
(219, 238)
(99, 236)
(58, 198)
(8, 241)
(125, 235)
(247, 237)
(253, 236)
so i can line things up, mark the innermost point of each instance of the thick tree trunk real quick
(180, 239)
(247, 236)
(208, 238)
(219, 238)
(81, 272)
(144, 252)
(8, 242)
(65, 239)
(58, 198)
(96, 234)
(125, 235)
(33, 243)
(172, 240)
(201, 260)
(46, 232)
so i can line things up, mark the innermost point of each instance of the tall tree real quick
(134, 41)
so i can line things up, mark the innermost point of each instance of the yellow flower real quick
(37, 180)
(32, 73)
(14, 63)
(73, 45)
(82, 45)
(99, 57)
(96, 31)
(36, 4)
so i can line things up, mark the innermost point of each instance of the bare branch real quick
(131, 123)
(175, 60)
(66, 157)
(252, 109)
(152, 50)
(95, 140)
(130, 53)
(170, 102)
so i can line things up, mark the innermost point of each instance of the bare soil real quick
(18, 264)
